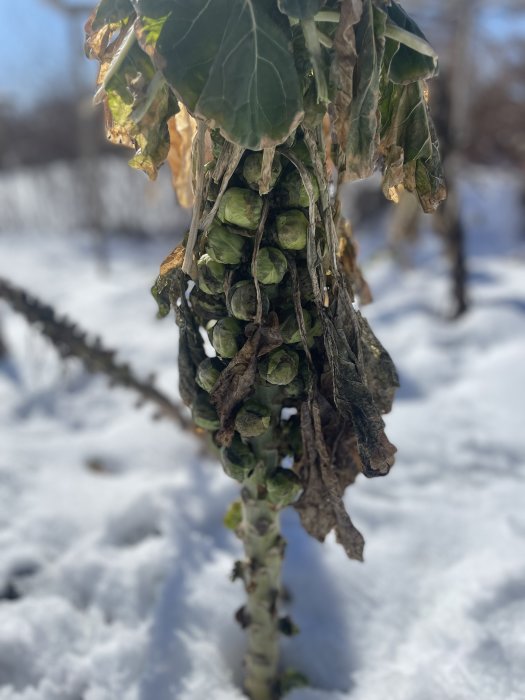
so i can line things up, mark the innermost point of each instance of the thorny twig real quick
(71, 341)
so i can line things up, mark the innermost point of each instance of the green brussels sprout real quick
(251, 170)
(290, 328)
(316, 329)
(280, 367)
(243, 300)
(252, 420)
(284, 487)
(237, 460)
(227, 337)
(206, 306)
(224, 246)
(213, 190)
(240, 207)
(204, 414)
(292, 229)
(208, 372)
(217, 142)
(295, 389)
(271, 265)
(211, 275)
(300, 150)
(293, 192)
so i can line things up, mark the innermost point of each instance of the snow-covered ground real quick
(114, 562)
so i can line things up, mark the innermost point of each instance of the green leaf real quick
(408, 64)
(300, 9)
(111, 12)
(363, 137)
(230, 63)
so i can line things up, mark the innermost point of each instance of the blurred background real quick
(110, 524)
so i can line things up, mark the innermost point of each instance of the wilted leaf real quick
(230, 63)
(343, 65)
(363, 136)
(408, 140)
(352, 396)
(182, 129)
(111, 12)
(137, 101)
(300, 9)
(321, 506)
(408, 64)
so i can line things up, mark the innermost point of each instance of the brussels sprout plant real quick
(288, 100)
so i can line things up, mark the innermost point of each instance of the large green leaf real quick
(363, 136)
(300, 9)
(409, 64)
(230, 63)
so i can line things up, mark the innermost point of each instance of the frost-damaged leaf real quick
(137, 101)
(408, 139)
(237, 381)
(408, 64)
(110, 12)
(381, 374)
(352, 396)
(342, 68)
(321, 506)
(230, 63)
(300, 9)
(363, 136)
(182, 129)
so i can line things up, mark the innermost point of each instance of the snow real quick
(114, 574)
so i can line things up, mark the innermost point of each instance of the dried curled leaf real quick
(409, 144)
(342, 68)
(137, 100)
(182, 128)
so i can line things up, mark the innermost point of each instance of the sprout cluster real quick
(244, 275)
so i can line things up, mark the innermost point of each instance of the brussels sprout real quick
(213, 191)
(224, 246)
(237, 460)
(316, 329)
(208, 372)
(240, 207)
(300, 150)
(252, 420)
(293, 192)
(227, 337)
(243, 300)
(292, 229)
(271, 265)
(251, 170)
(206, 306)
(295, 389)
(280, 367)
(290, 328)
(284, 487)
(204, 414)
(211, 275)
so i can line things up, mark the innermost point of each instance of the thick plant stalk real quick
(264, 549)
